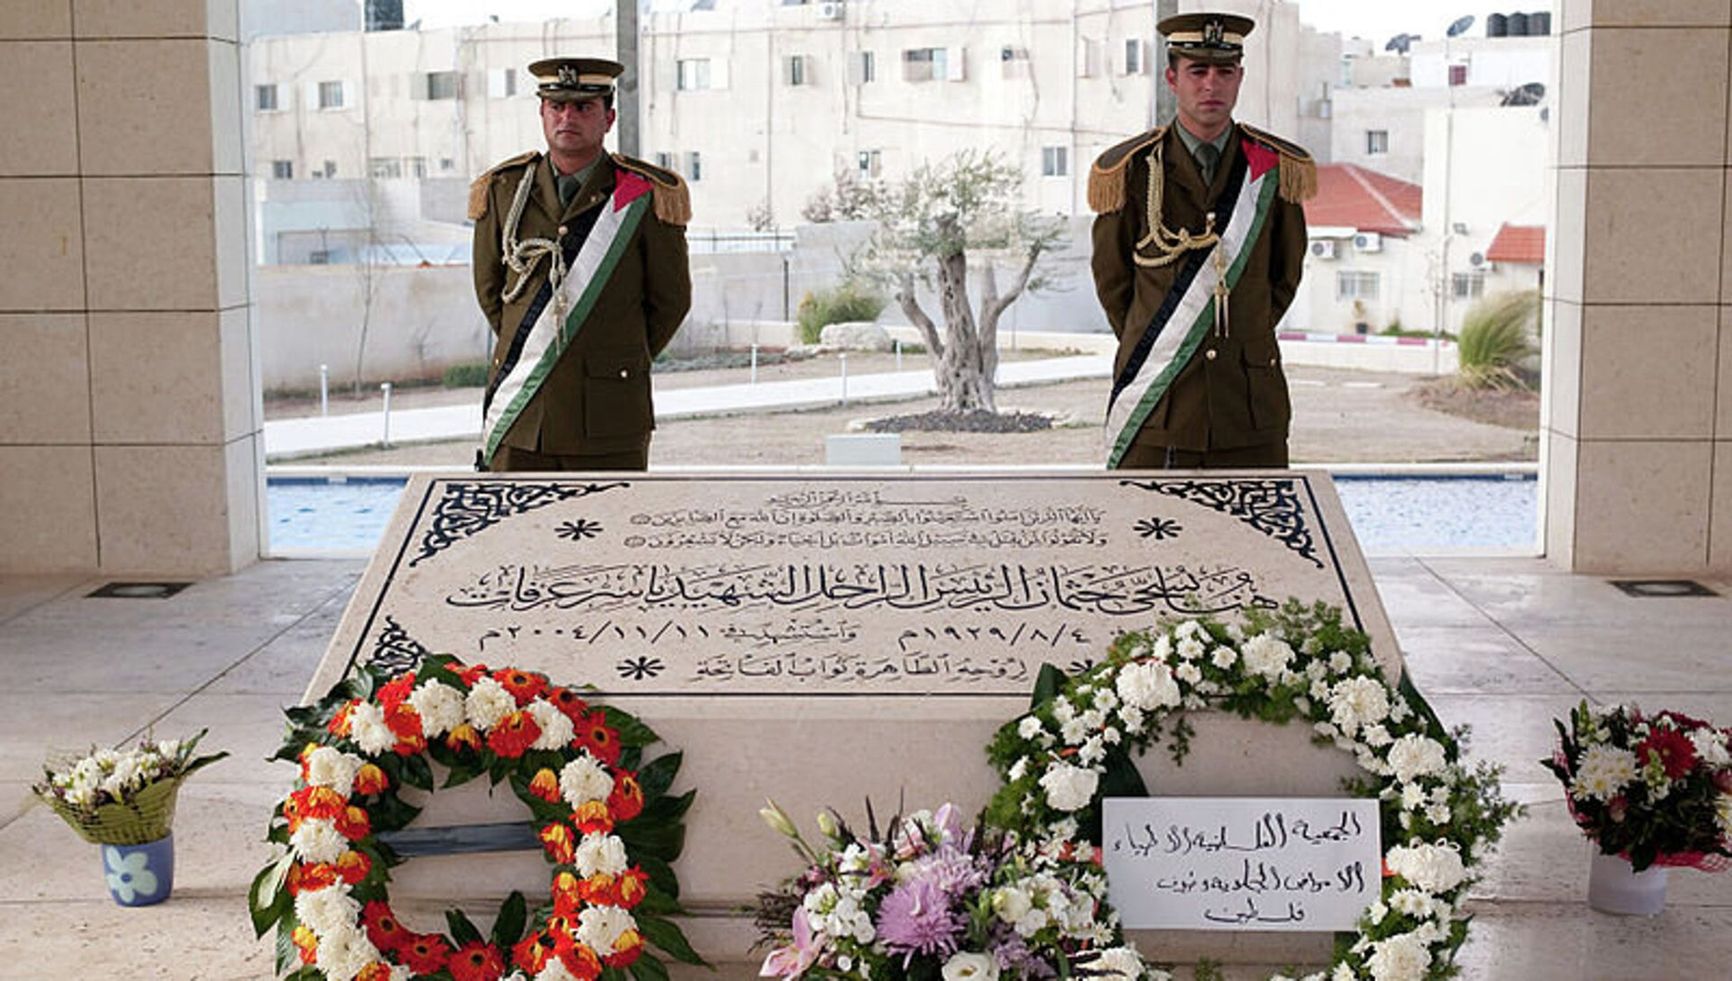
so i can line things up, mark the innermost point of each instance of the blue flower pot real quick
(139, 875)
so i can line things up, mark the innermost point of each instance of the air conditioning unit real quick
(831, 10)
(1476, 260)
(1323, 248)
(1368, 242)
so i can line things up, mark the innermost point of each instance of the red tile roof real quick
(1521, 244)
(1349, 196)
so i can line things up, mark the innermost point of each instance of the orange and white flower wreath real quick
(602, 812)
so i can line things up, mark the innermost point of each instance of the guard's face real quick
(575, 127)
(1206, 93)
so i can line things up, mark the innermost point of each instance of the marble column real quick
(1637, 422)
(129, 393)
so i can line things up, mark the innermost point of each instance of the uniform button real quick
(562, 231)
(1210, 354)
(1273, 362)
(623, 373)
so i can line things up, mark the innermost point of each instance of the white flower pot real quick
(1614, 888)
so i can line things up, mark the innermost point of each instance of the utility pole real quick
(626, 92)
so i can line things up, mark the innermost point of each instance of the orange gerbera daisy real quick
(569, 702)
(382, 927)
(425, 953)
(523, 685)
(476, 961)
(602, 740)
(626, 801)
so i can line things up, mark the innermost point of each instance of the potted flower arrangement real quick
(1652, 791)
(931, 898)
(124, 801)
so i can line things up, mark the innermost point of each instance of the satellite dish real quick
(1399, 43)
(1460, 26)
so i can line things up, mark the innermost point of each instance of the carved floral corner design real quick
(1272, 507)
(471, 507)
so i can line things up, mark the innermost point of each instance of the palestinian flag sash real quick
(1188, 313)
(542, 338)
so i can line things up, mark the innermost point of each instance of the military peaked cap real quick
(1218, 38)
(574, 79)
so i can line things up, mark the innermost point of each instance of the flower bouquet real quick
(115, 797)
(930, 898)
(1655, 789)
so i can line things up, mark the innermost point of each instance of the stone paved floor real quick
(1502, 644)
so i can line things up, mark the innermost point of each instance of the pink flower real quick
(793, 960)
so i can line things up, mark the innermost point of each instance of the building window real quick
(1054, 161)
(664, 160)
(871, 163)
(694, 167)
(694, 74)
(1135, 63)
(1376, 141)
(1014, 61)
(862, 67)
(417, 166)
(329, 171)
(319, 257)
(795, 70)
(385, 167)
(330, 95)
(1467, 286)
(447, 165)
(929, 64)
(282, 170)
(265, 97)
(441, 85)
(508, 83)
(1458, 74)
(1356, 286)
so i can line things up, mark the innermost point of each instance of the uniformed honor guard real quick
(1199, 243)
(580, 267)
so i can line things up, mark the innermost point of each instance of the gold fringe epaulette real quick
(1107, 176)
(1298, 180)
(673, 199)
(478, 188)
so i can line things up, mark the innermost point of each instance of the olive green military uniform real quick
(1228, 404)
(595, 405)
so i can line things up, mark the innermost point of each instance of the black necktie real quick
(567, 184)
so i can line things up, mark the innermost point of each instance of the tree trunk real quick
(963, 383)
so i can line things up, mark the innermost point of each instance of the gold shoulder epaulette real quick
(673, 199)
(479, 186)
(1298, 180)
(1107, 176)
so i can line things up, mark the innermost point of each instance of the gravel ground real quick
(1340, 416)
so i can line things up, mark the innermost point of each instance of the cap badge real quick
(1213, 31)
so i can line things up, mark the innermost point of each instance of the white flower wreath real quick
(1440, 815)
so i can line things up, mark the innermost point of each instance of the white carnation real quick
(556, 729)
(327, 911)
(1148, 685)
(1018, 770)
(1189, 673)
(487, 703)
(1357, 702)
(1340, 662)
(440, 707)
(1069, 788)
(1434, 868)
(1029, 727)
(1267, 655)
(317, 840)
(599, 852)
(343, 954)
(1224, 657)
(1711, 746)
(1132, 717)
(368, 729)
(583, 780)
(1190, 648)
(1073, 731)
(1416, 756)
(330, 767)
(601, 926)
(1404, 957)
(1011, 904)
(1412, 797)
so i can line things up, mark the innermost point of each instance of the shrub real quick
(469, 374)
(1495, 340)
(847, 302)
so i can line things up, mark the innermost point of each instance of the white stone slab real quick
(826, 639)
(863, 449)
